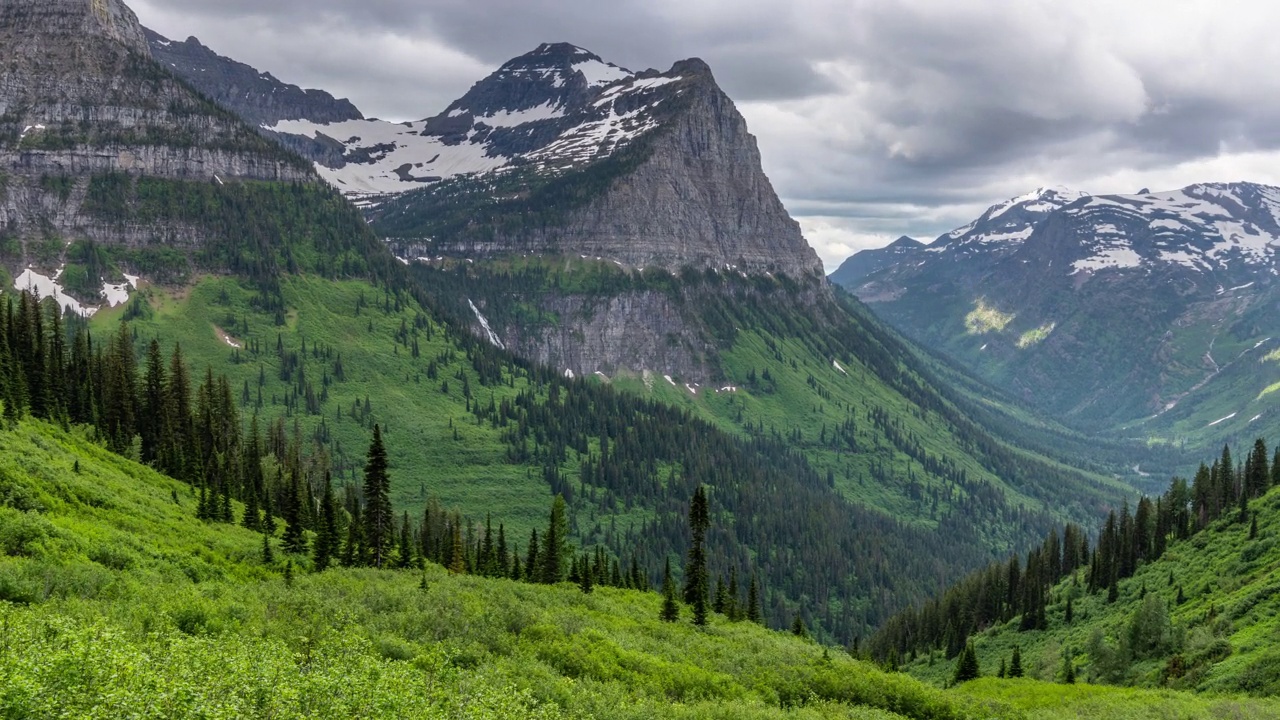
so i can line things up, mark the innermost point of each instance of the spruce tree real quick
(294, 541)
(1068, 668)
(268, 557)
(379, 523)
(584, 581)
(457, 552)
(753, 602)
(670, 608)
(966, 666)
(1069, 615)
(1015, 664)
(798, 628)
(555, 543)
(695, 580)
(533, 570)
(327, 542)
(404, 560)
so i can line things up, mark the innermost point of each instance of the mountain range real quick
(1148, 314)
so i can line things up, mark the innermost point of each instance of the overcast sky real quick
(875, 118)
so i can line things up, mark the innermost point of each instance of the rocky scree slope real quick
(1107, 310)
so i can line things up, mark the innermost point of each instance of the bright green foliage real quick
(130, 606)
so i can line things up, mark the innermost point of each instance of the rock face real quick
(699, 199)
(871, 261)
(1154, 308)
(81, 96)
(258, 97)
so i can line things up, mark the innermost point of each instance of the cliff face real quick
(698, 197)
(80, 96)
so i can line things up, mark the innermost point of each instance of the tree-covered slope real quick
(115, 600)
(1181, 594)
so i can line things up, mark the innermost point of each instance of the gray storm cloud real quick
(875, 118)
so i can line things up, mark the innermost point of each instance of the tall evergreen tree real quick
(294, 540)
(379, 523)
(966, 666)
(327, 541)
(555, 550)
(753, 602)
(670, 608)
(1015, 665)
(695, 579)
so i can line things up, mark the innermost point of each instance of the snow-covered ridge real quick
(554, 109)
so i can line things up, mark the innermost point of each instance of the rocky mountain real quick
(863, 264)
(561, 153)
(258, 97)
(1154, 309)
(81, 99)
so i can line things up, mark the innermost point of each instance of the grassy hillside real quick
(1203, 617)
(115, 600)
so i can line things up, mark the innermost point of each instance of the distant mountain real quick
(869, 261)
(258, 97)
(1108, 310)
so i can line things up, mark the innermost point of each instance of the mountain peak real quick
(112, 19)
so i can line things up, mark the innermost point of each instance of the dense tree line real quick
(1020, 589)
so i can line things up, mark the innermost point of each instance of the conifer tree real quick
(733, 609)
(405, 559)
(533, 570)
(352, 553)
(268, 557)
(294, 541)
(555, 543)
(753, 602)
(153, 420)
(798, 628)
(1003, 671)
(696, 581)
(1015, 664)
(378, 521)
(670, 608)
(584, 581)
(966, 665)
(327, 543)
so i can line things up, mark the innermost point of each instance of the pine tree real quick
(1003, 671)
(670, 608)
(404, 560)
(379, 523)
(268, 557)
(1015, 665)
(555, 543)
(695, 580)
(1068, 668)
(1253, 527)
(734, 609)
(532, 570)
(753, 602)
(584, 580)
(293, 541)
(457, 552)
(1069, 615)
(326, 546)
(798, 628)
(966, 665)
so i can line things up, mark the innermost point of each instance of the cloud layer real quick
(876, 119)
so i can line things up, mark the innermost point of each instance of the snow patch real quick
(668, 377)
(1222, 420)
(836, 365)
(601, 73)
(484, 323)
(1113, 257)
(568, 373)
(691, 388)
(44, 286)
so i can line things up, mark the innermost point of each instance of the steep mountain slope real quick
(1200, 615)
(1145, 311)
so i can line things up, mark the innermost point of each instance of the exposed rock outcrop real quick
(80, 95)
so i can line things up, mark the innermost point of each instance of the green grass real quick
(471, 472)
(1223, 634)
(115, 601)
